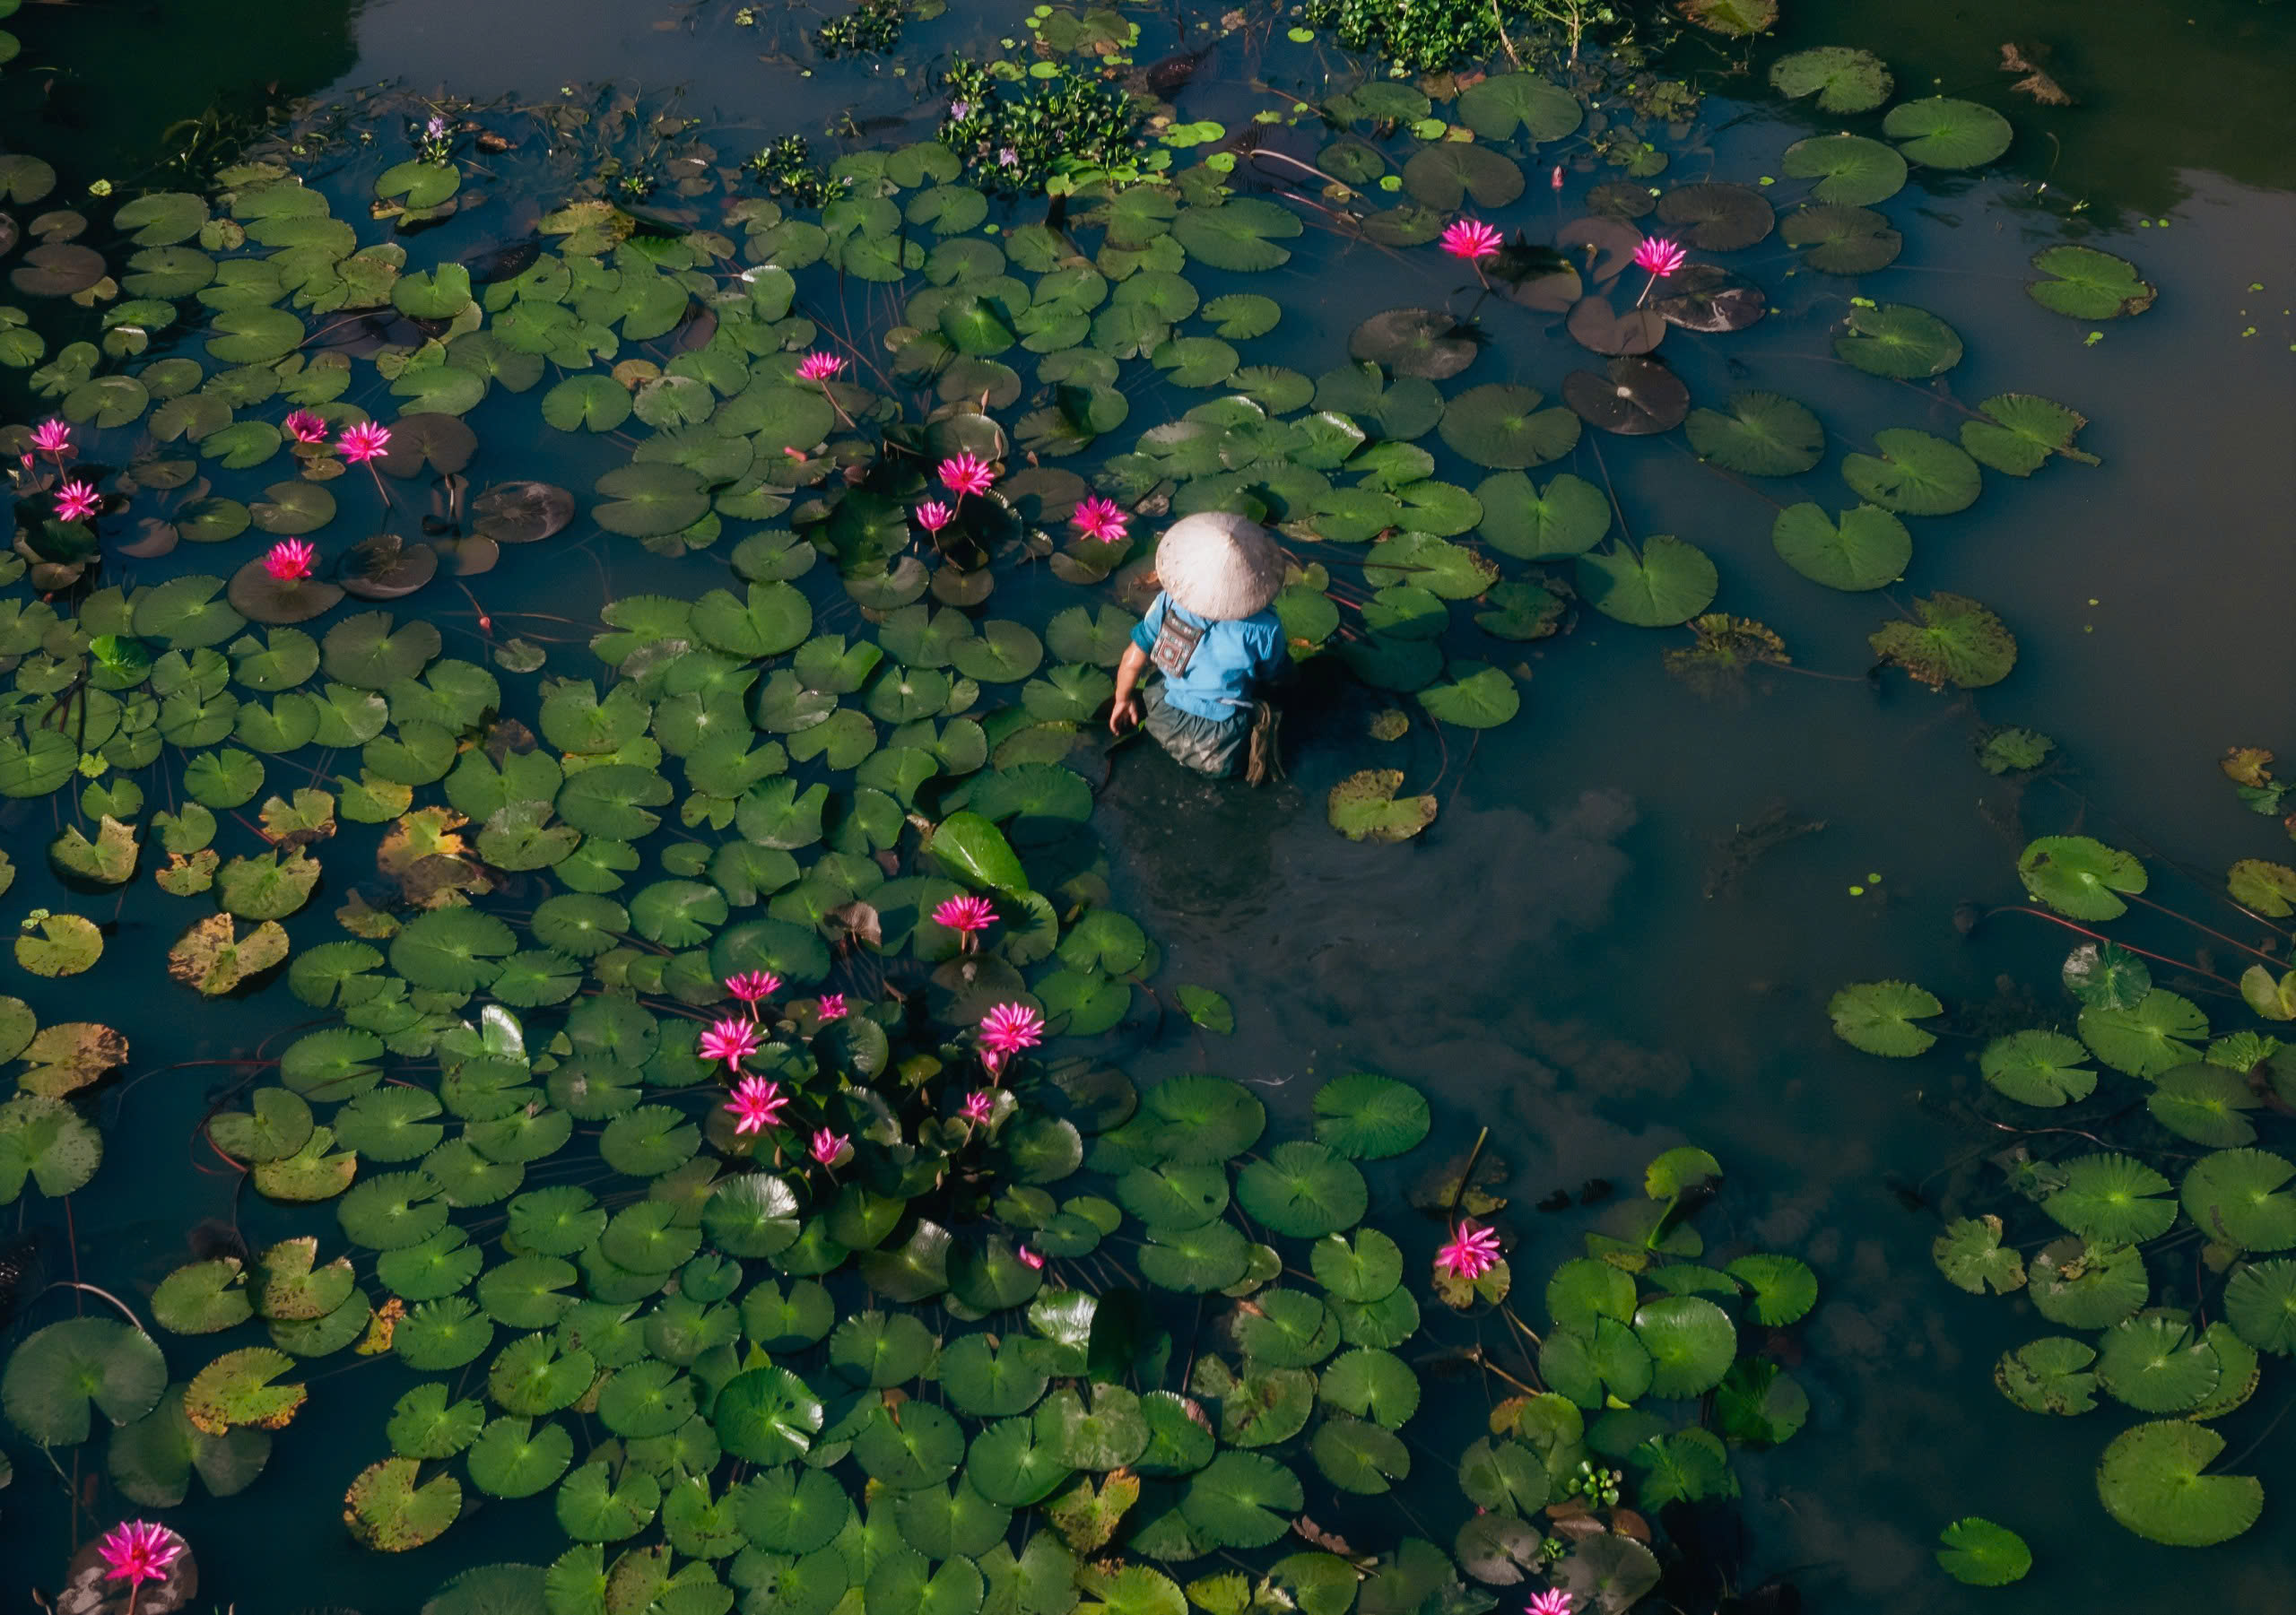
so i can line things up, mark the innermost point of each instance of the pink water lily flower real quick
(1471, 1254)
(76, 501)
(752, 987)
(1010, 1028)
(1100, 519)
(966, 474)
(52, 437)
(367, 440)
(138, 1550)
(933, 515)
(1554, 181)
(1660, 257)
(1030, 1257)
(757, 1104)
(304, 427)
(731, 1041)
(832, 1008)
(819, 367)
(288, 560)
(828, 1146)
(1472, 240)
(978, 1105)
(968, 914)
(1554, 1601)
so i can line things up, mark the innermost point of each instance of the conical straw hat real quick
(1219, 566)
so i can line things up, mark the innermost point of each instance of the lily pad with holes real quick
(1953, 640)
(1365, 807)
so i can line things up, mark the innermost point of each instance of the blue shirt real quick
(1218, 680)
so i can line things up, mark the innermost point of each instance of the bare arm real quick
(1126, 711)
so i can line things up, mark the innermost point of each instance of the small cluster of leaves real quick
(786, 168)
(872, 28)
(1018, 132)
(1423, 36)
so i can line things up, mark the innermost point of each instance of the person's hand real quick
(1124, 715)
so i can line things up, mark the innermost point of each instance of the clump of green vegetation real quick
(786, 169)
(873, 27)
(1015, 140)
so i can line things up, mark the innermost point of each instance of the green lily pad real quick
(1899, 341)
(58, 1375)
(1668, 583)
(387, 1510)
(1364, 807)
(1939, 131)
(2079, 876)
(2150, 1480)
(1843, 80)
(1867, 548)
(1501, 426)
(1956, 641)
(2049, 1376)
(1762, 434)
(2146, 1039)
(2088, 284)
(1850, 170)
(2238, 1198)
(1982, 1554)
(2112, 1200)
(2038, 1068)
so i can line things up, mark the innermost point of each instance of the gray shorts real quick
(1213, 746)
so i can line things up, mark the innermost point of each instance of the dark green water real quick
(1547, 959)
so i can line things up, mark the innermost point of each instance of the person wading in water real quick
(1212, 638)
